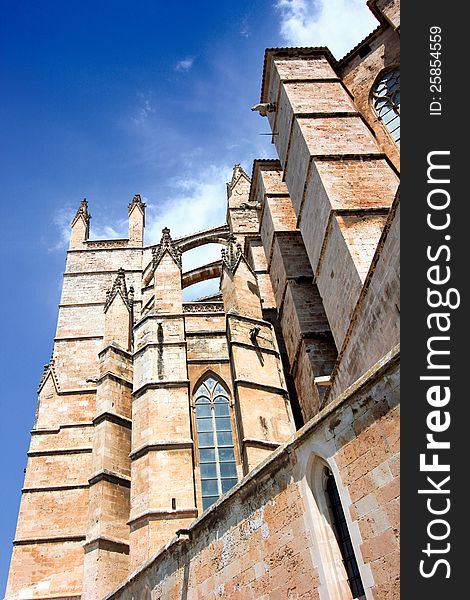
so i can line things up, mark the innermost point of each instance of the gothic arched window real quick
(386, 101)
(342, 535)
(340, 572)
(215, 441)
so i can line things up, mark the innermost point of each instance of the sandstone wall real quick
(263, 538)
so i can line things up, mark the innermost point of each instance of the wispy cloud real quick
(109, 232)
(184, 65)
(62, 220)
(338, 24)
(199, 201)
(144, 110)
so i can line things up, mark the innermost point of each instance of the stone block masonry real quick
(164, 459)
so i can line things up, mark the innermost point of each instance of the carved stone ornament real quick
(82, 212)
(232, 254)
(120, 287)
(166, 245)
(136, 202)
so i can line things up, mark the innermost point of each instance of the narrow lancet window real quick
(341, 531)
(215, 441)
(386, 100)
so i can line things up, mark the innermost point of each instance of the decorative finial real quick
(166, 245)
(119, 287)
(82, 212)
(136, 201)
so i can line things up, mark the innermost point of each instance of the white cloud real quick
(109, 232)
(62, 220)
(338, 24)
(184, 65)
(197, 203)
(143, 111)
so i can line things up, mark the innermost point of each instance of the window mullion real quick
(216, 446)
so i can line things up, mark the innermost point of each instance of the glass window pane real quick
(210, 383)
(208, 501)
(221, 410)
(227, 484)
(219, 390)
(228, 469)
(205, 439)
(223, 424)
(209, 487)
(224, 438)
(221, 399)
(206, 455)
(208, 471)
(226, 454)
(201, 391)
(386, 99)
(203, 410)
(204, 424)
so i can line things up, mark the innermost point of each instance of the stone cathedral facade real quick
(243, 445)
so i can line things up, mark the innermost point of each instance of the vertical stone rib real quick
(162, 491)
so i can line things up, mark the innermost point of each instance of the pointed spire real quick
(237, 175)
(137, 203)
(166, 245)
(119, 287)
(49, 369)
(231, 256)
(82, 212)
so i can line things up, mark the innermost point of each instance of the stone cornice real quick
(158, 513)
(113, 418)
(50, 540)
(160, 446)
(110, 477)
(54, 451)
(155, 385)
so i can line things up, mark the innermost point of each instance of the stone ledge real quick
(50, 540)
(154, 385)
(261, 386)
(158, 446)
(207, 332)
(54, 451)
(207, 361)
(113, 418)
(255, 347)
(114, 377)
(248, 319)
(57, 488)
(110, 272)
(106, 543)
(76, 338)
(156, 514)
(326, 114)
(158, 345)
(77, 391)
(57, 429)
(110, 477)
(259, 443)
(103, 249)
(117, 349)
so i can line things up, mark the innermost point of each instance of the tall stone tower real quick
(246, 443)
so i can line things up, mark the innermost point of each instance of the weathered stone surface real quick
(305, 329)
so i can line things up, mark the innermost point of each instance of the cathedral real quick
(245, 444)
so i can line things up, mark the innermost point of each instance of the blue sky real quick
(105, 99)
